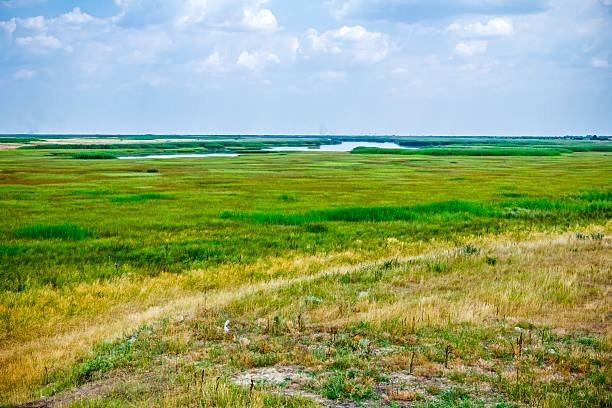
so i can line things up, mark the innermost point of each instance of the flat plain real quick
(306, 279)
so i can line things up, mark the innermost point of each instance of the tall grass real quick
(453, 210)
(355, 214)
(216, 146)
(596, 195)
(94, 156)
(62, 231)
(17, 139)
(463, 151)
(139, 197)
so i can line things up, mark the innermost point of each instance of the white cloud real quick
(24, 74)
(361, 44)
(33, 23)
(142, 13)
(10, 26)
(259, 19)
(256, 60)
(599, 63)
(225, 14)
(214, 62)
(194, 11)
(493, 27)
(76, 16)
(40, 41)
(471, 48)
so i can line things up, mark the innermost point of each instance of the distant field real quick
(342, 265)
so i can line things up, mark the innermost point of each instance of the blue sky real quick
(411, 67)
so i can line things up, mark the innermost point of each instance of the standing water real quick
(342, 147)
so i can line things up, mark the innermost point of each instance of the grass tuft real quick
(62, 231)
(94, 156)
(139, 197)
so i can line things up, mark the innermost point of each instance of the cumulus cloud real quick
(471, 48)
(214, 62)
(33, 23)
(244, 14)
(24, 74)
(10, 26)
(356, 41)
(76, 16)
(256, 59)
(258, 19)
(493, 27)
(40, 41)
(418, 10)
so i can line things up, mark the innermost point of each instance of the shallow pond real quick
(342, 147)
(178, 156)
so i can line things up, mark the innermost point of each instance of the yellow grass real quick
(549, 279)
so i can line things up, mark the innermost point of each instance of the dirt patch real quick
(401, 390)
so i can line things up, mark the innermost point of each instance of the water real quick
(178, 156)
(342, 147)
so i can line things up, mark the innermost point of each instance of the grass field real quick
(306, 279)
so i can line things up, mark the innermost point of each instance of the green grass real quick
(94, 156)
(197, 228)
(449, 210)
(18, 139)
(139, 197)
(210, 146)
(463, 151)
(60, 231)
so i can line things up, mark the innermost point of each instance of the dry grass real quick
(546, 279)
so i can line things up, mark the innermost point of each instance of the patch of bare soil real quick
(402, 390)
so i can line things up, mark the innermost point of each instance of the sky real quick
(348, 67)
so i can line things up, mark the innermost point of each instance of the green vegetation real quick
(139, 197)
(18, 139)
(463, 151)
(380, 280)
(242, 145)
(563, 211)
(60, 231)
(94, 156)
